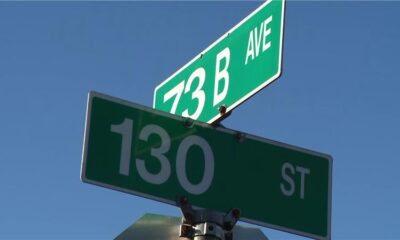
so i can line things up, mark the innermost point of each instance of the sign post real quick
(239, 64)
(160, 156)
(160, 227)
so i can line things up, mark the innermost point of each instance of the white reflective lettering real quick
(158, 153)
(124, 129)
(288, 172)
(177, 92)
(198, 93)
(221, 74)
(256, 36)
(303, 172)
(250, 48)
(289, 181)
(181, 159)
(267, 31)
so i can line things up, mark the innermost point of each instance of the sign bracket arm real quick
(224, 115)
(205, 224)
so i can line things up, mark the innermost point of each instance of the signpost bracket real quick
(205, 224)
(217, 123)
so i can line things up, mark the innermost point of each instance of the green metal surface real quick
(273, 184)
(244, 60)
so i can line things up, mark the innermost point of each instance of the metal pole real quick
(206, 224)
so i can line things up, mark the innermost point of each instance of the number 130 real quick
(125, 130)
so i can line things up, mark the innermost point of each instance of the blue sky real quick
(338, 94)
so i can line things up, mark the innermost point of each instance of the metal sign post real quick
(160, 227)
(204, 224)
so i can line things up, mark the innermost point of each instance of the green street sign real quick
(238, 65)
(161, 156)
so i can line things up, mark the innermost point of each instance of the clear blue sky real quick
(338, 94)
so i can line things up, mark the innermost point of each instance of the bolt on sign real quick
(161, 156)
(239, 64)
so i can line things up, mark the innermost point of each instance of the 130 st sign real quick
(161, 156)
(229, 71)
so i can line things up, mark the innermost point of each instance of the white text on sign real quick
(198, 93)
(289, 172)
(125, 130)
(255, 38)
(258, 43)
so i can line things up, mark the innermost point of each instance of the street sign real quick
(160, 156)
(238, 65)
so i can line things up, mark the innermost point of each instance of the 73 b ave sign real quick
(235, 67)
(161, 156)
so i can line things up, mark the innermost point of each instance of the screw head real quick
(189, 122)
(183, 200)
(236, 213)
(222, 109)
(240, 137)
